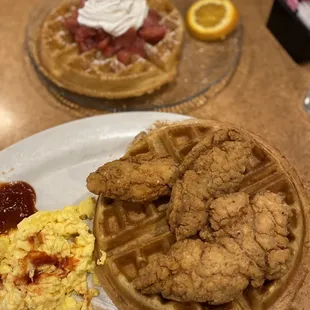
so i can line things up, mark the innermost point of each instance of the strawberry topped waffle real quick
(112, 49)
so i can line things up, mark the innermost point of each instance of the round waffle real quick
(93, 75)
(131, 234)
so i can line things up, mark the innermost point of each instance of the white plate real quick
(57, 161)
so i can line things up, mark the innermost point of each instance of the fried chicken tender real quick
(246, 243)
(259, 228)
(193, 271)
(215, 172)
(134, 180)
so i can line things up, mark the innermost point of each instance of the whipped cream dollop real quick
(113, 16)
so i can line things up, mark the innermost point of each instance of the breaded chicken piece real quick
(215, 172)
(247, 243)
(259, 228)
(193, 270)
(136, 181)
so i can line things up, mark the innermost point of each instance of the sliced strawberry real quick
(152, 34)
(71, 25)
(101, 35)
(116, 47)
(138, 48)
(88, 31)
(124, 56)
(82, 3)
(87, 45)
(83, 33)
(85, 38)
(126, 39)
(152, 19)
(103, 44)
(109, 51)
(154, 15)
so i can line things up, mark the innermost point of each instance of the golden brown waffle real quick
(93, 75)
(164, 139)
(131, 234)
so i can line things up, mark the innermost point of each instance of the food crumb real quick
(102, 259)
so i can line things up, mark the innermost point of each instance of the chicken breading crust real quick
(218, 170)
(136, 181)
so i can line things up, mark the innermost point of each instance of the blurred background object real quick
(289, 21)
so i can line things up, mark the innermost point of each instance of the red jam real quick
(17, 201)
(125, 46)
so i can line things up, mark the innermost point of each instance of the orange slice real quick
(212, 19)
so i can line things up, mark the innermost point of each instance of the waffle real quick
(163, 140)
(93, 75)
(131, 234)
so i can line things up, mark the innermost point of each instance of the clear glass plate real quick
(204, 69)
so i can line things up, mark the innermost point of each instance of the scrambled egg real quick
(47, 259)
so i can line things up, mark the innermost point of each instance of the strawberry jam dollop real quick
(125, 46)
